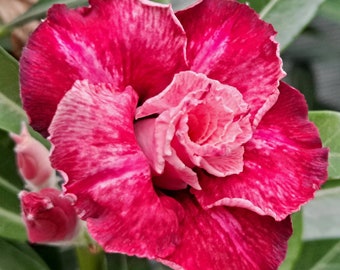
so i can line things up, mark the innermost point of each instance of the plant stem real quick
(91, 257)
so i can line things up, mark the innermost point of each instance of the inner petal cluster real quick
(194, 123)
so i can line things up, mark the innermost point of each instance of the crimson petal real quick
(235, 47)
(95, 147)
(284, 163)
(102, 43)
(228, 238)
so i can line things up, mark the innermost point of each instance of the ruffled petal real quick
(95, 147)
(129, 42)
(235, 47)
(284, 163)
(228, 238)
(181, 107)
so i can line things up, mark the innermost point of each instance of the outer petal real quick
(284, 163)
(228, 239)
(94, 145)
(128, 42)
(235, 47)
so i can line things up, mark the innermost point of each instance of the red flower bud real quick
(49, 216)
(33, 161)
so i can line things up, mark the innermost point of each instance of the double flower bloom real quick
(173, 131)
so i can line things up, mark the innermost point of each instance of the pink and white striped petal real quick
(75, 44)
(284, 164)
(95, 147)
(232, 45)
(228, 238)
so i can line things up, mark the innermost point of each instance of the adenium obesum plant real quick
(175, 134)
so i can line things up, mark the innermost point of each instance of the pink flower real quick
(33, 161)
(49, 216)
(173, 129)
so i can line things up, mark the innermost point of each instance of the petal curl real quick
(228, 238)
(284, 163)
(128, 42)
(234, 47)
(94, 145)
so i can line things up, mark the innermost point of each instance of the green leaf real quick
(331, 184)
(15, 256)
(9, 196)
(289, 17)
(11, 114)
(11, 225)
(8, 168)
(37, 12)
(328, 123)
(331, 10)
(320, 255)
(9, 70)
(162, 1)
(322, 215)
(294, 243)
(258, 5)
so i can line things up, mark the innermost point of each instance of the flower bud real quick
(33, 161)
(49, 216)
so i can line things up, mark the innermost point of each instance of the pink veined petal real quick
(95, 146)
(228, 238)
(127, 42)
(235, 47)
(284, 163)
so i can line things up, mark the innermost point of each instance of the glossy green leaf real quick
(294, 243)
(319, 255)
(15, 256)
(289, 17)
(37, 12)
(328, 123)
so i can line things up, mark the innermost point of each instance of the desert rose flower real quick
(49, 216)
(33, 161)
(173, 129)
